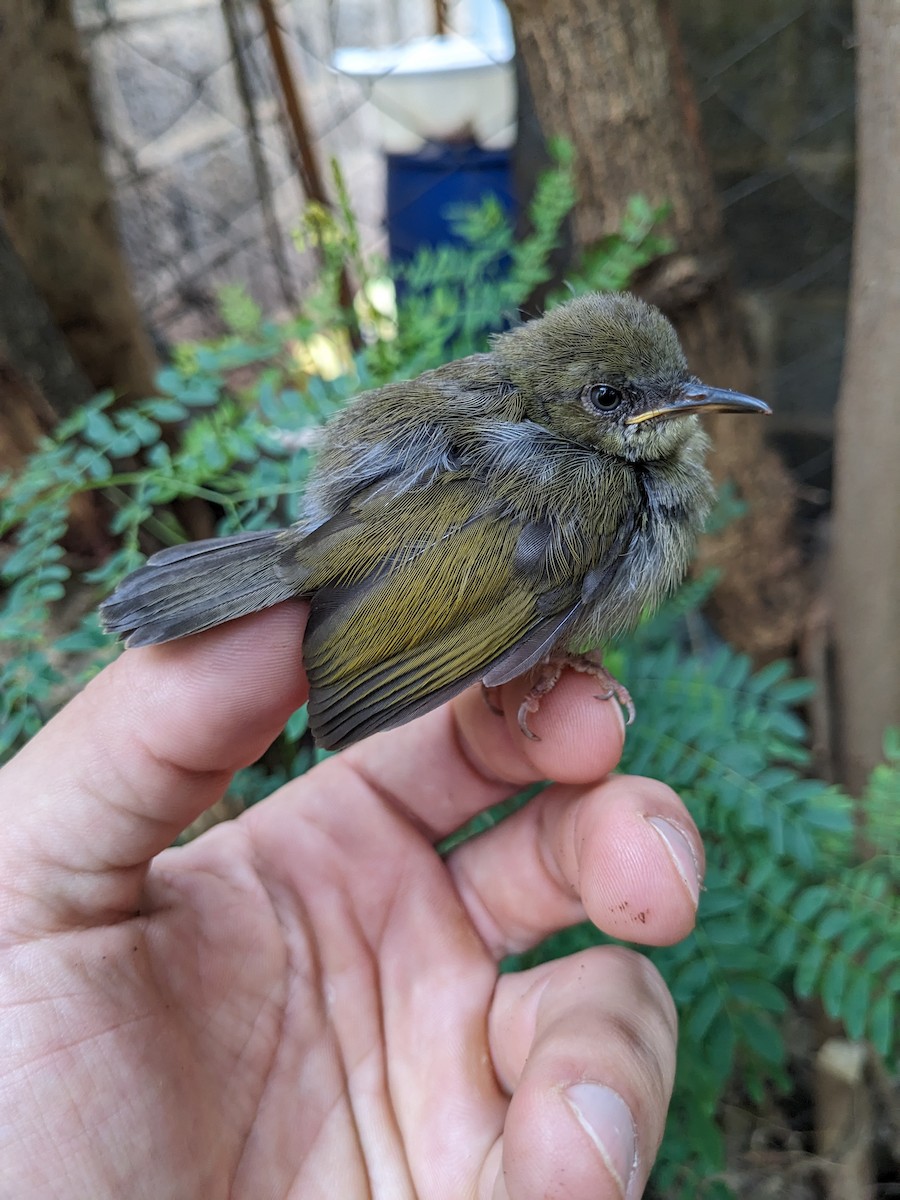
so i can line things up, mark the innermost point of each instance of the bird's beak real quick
(697, 397)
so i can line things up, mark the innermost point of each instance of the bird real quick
(513, 511)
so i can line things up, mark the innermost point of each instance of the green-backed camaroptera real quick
(512, 510)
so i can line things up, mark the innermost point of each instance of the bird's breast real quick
(666, 512)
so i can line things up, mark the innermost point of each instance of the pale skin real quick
(305, 1002)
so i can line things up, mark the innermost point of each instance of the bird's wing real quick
(470, 590)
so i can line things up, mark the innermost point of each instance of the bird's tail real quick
(185, 589)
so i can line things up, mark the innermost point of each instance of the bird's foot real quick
(548, 674)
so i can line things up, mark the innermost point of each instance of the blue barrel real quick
(422, 186)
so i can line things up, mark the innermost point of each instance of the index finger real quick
(118, 773)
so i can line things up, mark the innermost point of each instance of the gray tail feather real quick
(189, 588)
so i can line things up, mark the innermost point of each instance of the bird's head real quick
(606, 370)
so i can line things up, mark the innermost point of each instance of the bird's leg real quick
(548, 674)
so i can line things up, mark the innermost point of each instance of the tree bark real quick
(610, 79)
(57, 201)
(866, 547)
(38, 380)
(38, 376)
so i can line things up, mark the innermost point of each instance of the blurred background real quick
(202, 162)
(169, 209)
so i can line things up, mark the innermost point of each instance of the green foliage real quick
(448, 299)
(788, 909)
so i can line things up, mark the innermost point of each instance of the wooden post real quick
(307, 162)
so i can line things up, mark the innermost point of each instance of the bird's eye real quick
(602, 397)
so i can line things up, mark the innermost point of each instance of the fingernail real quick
(681, 854)
(607, 1120)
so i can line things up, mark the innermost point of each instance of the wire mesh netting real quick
(776, 86)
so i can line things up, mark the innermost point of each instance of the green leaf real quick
(792, 691)
(855, 1008)
(760, 993)
(834, 923)
(297, 724)
(783, 946)
(240, 313)
(719, 1046)
(808, 969)
(811, 903)
(98, 428)
(164, 409)
(882, 1024)
(772, 673)
(697, 1020)
(762, 1037)
(834, 981)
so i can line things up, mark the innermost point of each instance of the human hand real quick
(305, 1001)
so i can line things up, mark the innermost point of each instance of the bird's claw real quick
(548, 675)
(486, 691)
(619, 692)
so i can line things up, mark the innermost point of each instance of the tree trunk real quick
(866, 550)
(38, 381)
(38, 377)
(610, 79)
(56, 199)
